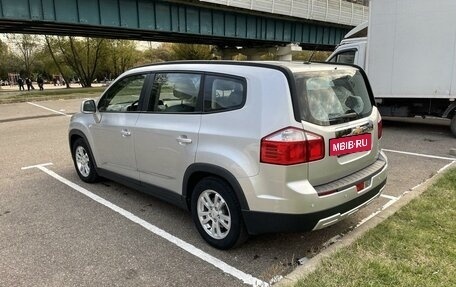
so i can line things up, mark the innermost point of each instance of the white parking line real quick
(391, 202)
(37, 166)
(46, 108)
(390, 197)
(420, 154)
(246, 278)
(364, 220)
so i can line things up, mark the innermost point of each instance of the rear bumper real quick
(266, 222)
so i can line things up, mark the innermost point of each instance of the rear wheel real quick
(83, 161)
(453, 125)
(217, 213)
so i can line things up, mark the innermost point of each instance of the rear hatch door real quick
(337, 105)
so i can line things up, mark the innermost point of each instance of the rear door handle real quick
(125, 133)
(183, 140)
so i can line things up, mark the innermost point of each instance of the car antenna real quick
(311, 56)
(313, 53)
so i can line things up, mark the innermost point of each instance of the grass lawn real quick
(36, 95)
(414, 247)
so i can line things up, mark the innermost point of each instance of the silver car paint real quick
(162, 157)
(114, 143)
(232, 140)
(334, 167)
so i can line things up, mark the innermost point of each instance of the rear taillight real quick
(380, 127)
(291, 146)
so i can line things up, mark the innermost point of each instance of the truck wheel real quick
(217, 213)
(453, 125)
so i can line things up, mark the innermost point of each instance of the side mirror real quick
(89, 107)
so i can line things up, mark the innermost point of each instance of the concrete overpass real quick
(309, 23)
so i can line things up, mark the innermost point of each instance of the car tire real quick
(453, 125)
(217, 213)
(83, 161)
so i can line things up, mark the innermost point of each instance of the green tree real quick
(4, 55)
(306, 55)
(191, 52)
(83, 56)
(57, 65)
(159, 54)
(120, 56)
(269, 56)
(26, 47)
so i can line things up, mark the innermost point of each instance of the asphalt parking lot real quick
(56, 230)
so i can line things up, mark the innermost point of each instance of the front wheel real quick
(83, 161)
(217, 213)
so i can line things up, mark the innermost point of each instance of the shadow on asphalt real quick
(423, 126)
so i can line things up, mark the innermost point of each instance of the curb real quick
(310, 266)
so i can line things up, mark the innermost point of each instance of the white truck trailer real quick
(408, 50)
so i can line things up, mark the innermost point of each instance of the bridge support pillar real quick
(285, 53)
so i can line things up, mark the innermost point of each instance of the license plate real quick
(352, 144)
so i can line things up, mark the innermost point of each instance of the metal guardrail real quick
(334, 11)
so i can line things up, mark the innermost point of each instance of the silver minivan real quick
(247, 147)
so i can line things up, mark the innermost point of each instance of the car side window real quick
(223, 93)
(346, 57)
(175, 93)
(123, 96)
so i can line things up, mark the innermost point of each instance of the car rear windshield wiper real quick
(349, 115)
(342, 118)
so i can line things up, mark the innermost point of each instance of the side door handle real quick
(183, 140)
(125, 133)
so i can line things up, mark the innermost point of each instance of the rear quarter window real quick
(332, 96)
(223, 93)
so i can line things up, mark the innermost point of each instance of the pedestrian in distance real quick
(29, 84)
(20, 83)
(40, 82)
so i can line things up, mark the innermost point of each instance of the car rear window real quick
(333, 96)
